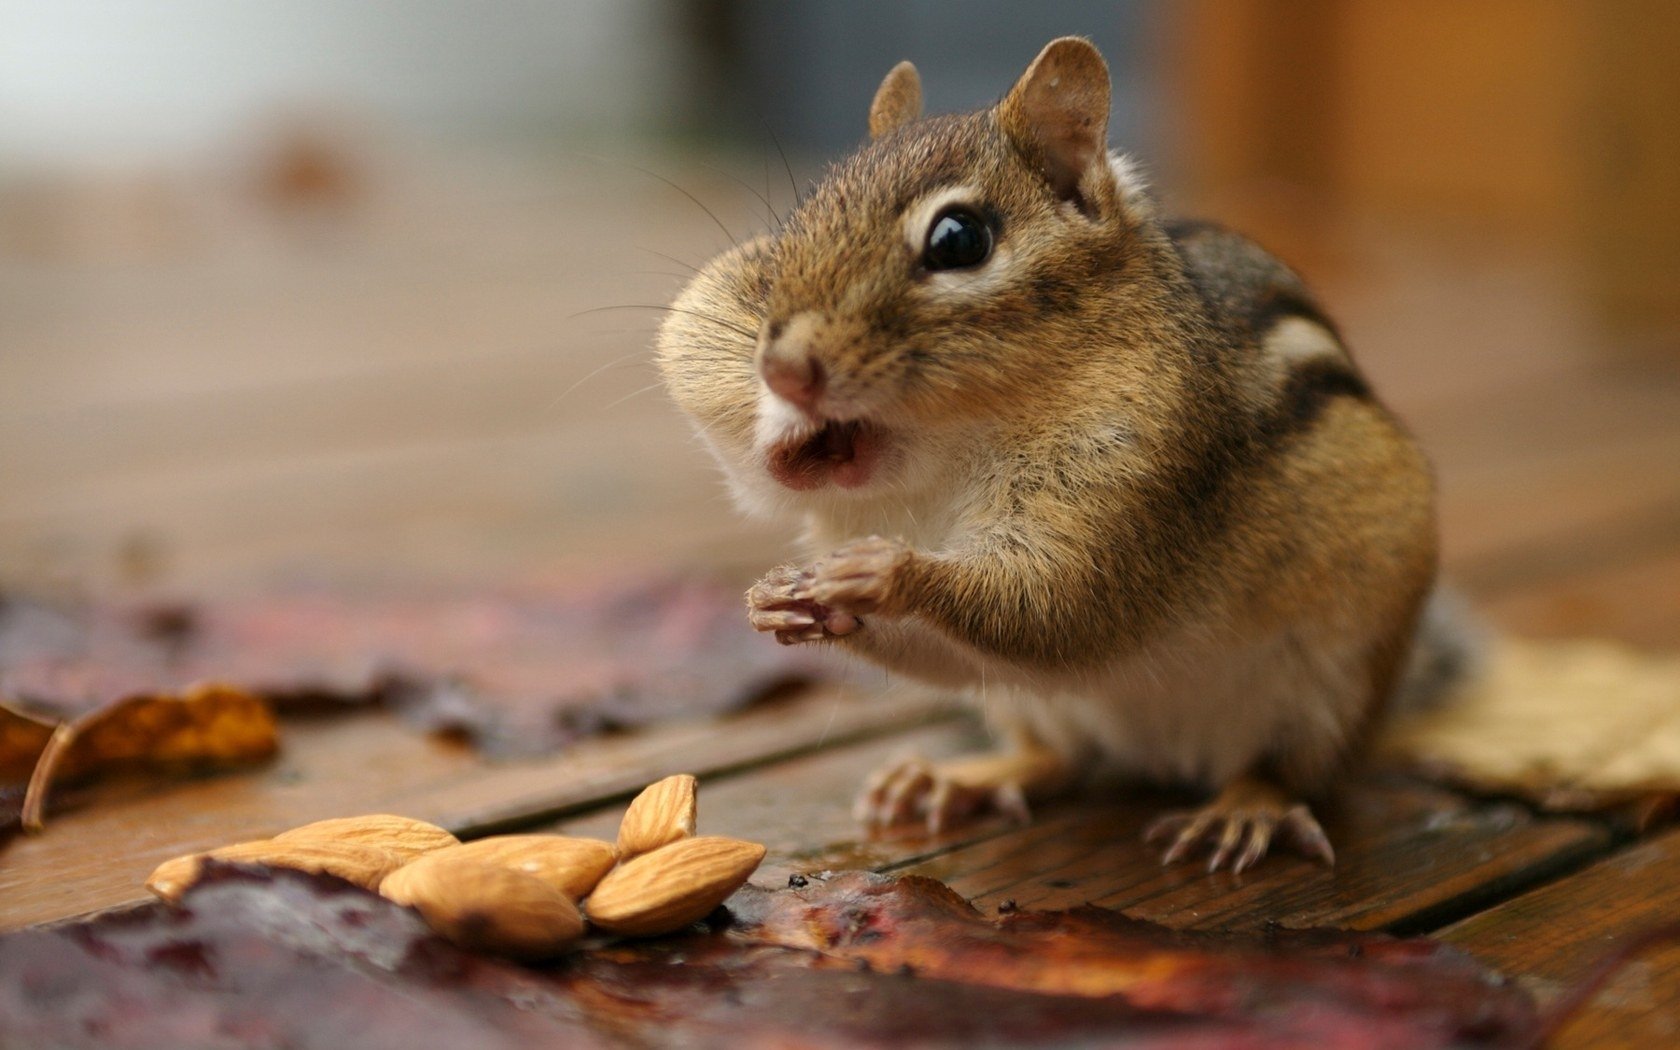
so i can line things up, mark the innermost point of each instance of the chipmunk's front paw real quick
(861, 577)
(774, 605)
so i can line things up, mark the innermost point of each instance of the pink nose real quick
(795, 378)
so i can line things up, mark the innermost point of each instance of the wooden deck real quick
(409, 391)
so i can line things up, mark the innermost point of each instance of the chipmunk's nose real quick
(795, 377)
(786, 361)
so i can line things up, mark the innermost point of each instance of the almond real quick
(364, 865)
(486, 907)
(672, 887)
(662, 814)
(572, 866)
(404, 836)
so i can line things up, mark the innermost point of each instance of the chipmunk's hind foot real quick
(1240, 825)
(940, 794)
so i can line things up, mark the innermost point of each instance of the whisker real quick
(775, 219)
(673, 310)
(904, 505)
(697, 201)
(631, 394)
(690, 267)
(591, 375)
(655, 273)
(792, 182)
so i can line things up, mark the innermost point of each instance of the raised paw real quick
(1239, 826)
(915, 791)
(861, 577)
(774, 606)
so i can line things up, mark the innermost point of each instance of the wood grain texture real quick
(1406, 854)
(801, 809)
(1539, 475)
(424, 400)
(97, 855)
(1550, 938)
(1635, 598)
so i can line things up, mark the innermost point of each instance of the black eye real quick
(957, 238)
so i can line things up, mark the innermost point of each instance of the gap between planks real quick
(1407, 851)
(97, 855)
(1551, 937)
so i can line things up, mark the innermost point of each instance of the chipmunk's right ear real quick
(1057, 114)
(898, 101)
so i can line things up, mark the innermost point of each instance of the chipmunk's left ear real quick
(898, 101)
(1057, 114)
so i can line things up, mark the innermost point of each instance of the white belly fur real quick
(1191, 707)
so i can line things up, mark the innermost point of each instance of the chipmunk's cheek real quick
(844, 454)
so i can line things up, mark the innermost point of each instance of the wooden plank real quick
(96, 856)
(801, 809)
(510, 502)
(1635, 599)
(1550, 938)
(431, 274)
(510, 490)
(1406, 853)
(1553, 463)
(1497, 531)
(487, 395)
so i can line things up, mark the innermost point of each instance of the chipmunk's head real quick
(937, 279)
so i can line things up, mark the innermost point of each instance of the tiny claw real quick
(1228, 842)
(1165, 826)
(1011, 800)
(913, 789)
(779, 620)
(1259, 840)
(863, 807)
(1190, 836)
(938, 804)
(903, 796)
(1239, 827)
(1308, 835)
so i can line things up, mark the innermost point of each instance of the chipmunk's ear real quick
(898, 101)
(1057, 114)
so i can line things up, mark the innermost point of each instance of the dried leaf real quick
(1578, 725)
(23, 736)
(208, 727)
(283, 958)
(514, 672)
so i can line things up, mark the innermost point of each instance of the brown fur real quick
(1118, 445)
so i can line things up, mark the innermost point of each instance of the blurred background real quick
(366, 291)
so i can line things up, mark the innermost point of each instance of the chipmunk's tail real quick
(1451, 648)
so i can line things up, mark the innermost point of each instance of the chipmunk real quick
(1116, 477)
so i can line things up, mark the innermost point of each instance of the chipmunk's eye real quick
(958, 238)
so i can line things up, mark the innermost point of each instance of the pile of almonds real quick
(522, 896)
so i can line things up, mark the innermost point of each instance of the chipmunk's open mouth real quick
(843, 453)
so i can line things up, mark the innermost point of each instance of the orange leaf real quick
(206, 727)
(23, 736)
